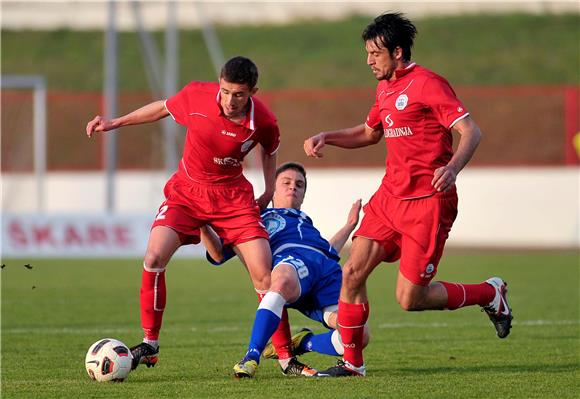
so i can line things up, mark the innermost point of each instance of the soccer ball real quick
(108, 359)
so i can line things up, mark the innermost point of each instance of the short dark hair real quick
(293, 166)
(240, 70)
(392, 30)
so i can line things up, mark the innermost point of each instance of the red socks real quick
(152, 295)
(351, 322)
(460, 295)
(282, 338)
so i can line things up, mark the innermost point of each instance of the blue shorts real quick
(320, 279)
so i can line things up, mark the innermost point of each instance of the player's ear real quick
(253, 91)
(398, 53)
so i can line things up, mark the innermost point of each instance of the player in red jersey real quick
(224, 122)
(411, 214)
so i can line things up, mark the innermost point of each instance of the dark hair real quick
(240, 70)
(392, 30)
(294, 166)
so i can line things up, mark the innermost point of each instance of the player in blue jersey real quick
(306, 275)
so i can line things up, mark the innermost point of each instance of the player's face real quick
(234, 98)
(382, 63)
(290, 190)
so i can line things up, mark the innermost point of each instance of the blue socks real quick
(266, 322)
(321, 343)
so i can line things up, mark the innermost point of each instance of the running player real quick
(410, 216)
(306, 276)
(224, 123)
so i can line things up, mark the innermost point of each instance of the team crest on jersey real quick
(274, 223)
(247, 144)
(401, 102)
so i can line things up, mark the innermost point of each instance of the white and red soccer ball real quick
(108, 359)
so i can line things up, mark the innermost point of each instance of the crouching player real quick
(306, 276)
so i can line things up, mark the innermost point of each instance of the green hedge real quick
(468, 50)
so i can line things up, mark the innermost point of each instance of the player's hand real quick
(444, 178)
(98, 124)
(313, 145)
(353, 215)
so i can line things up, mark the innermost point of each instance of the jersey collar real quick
(399, 73)
(248, 121)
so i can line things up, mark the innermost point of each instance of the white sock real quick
(284, 363)
(153, 342)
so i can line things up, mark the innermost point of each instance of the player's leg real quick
(327, 343)
(284, 288)
(353, 306)
(163, 242)
(257, 257)
(419, 262)
(286, 282)
(491, 295)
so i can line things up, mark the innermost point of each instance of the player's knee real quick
(278, 283)
(154, 262)
(286, 286)
(409, 302)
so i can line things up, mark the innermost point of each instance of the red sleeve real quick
(179, 104)
(374, 116)
(442, 100)
(270, 137)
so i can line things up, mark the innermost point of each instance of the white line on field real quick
(221, 329)
(529, 323)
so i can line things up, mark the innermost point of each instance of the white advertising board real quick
(78, 235)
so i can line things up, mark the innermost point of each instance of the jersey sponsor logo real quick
(227, 161)
(401, 102)
(247, 144)
(274, 223)
(460, 109)
(398, 132)
(389, 121)
(230, 134)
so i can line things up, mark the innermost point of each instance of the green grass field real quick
(54, 311)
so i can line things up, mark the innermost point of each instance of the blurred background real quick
(515, 65)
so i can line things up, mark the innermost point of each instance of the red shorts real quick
(230, 208)
(414, 231)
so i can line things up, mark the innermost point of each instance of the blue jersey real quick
(292, 228)
(288, 228)
(295, 241)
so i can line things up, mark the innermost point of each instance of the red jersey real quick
(416, 111)
(214, 145)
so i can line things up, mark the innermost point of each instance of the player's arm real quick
(354, 137)
(470, 136)
(212, 243)
(269, 171)
(341, 236)
(149, 113)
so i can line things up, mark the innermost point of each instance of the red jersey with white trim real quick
(417, 111)
(214, 145)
